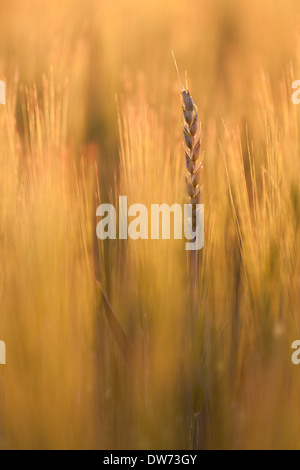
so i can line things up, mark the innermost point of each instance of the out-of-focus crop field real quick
(93, 112)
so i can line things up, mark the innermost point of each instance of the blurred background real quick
(93, 112)
(104, 48)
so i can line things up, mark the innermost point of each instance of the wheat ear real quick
(194, 165)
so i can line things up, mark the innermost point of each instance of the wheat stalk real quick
(194, 166)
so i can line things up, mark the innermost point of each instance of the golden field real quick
(93, 112)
